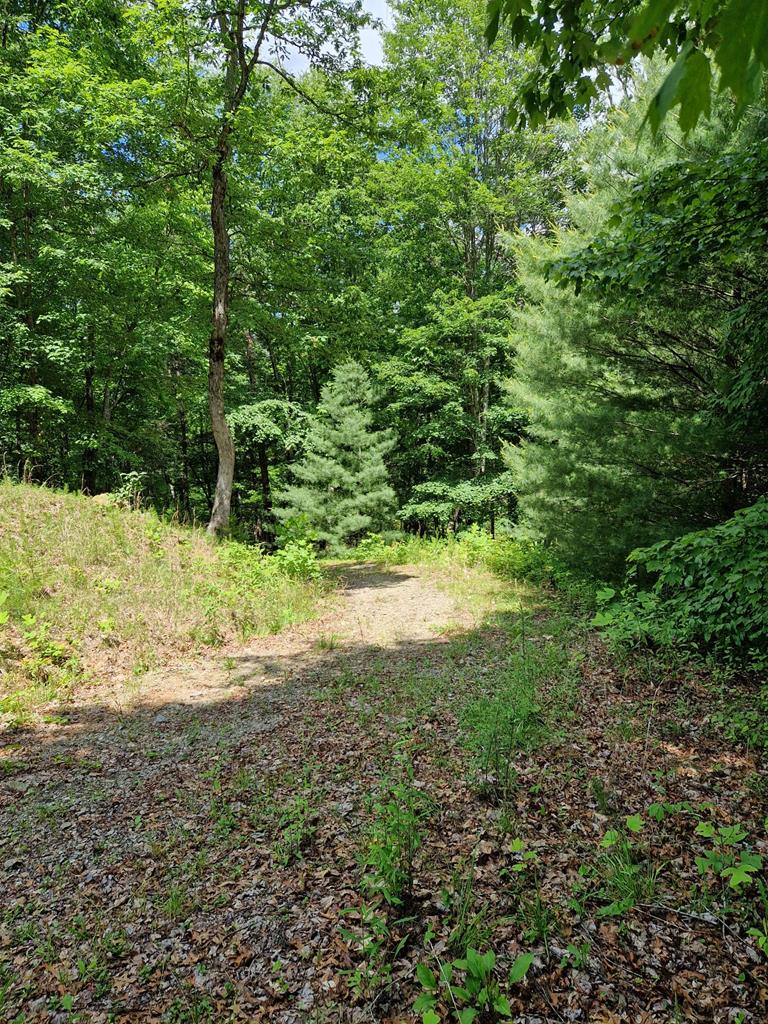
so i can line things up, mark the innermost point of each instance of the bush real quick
(297, 560)
(705, 591)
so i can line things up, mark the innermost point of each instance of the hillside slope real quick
(90, 591)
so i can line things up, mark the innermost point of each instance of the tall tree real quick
(237, 41)
(641, 352)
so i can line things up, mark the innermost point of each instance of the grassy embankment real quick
(91, 591)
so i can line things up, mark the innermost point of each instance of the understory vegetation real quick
(498, 822)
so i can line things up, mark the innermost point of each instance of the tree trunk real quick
(89, 469)
(221, 433)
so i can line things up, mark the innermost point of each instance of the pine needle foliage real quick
(341, 485)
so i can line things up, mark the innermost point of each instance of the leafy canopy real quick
(581, 45)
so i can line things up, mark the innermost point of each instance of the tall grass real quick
(95, 590)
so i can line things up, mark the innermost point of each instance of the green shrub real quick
(394, 835)
(297, 560)
(706, 591)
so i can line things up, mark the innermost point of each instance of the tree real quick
(454, 181)
(231, 46)
(580, 45)
(641, 350)
(342, 486)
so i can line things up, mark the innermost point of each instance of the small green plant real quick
(194, 1009)
(476, 995)
(727, 859)
(626, 875)
(372, 939)
(577, 956)
(394, 836)
(601, 795)
(296, 830)
(297, 560)
(174, 904)
(468, 926)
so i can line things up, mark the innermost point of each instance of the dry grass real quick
(94, 590)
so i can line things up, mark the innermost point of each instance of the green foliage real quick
(394, 835)
(94, 585)
(581, 45)
(372, 938)
(644, 392)
(510, 717)
(705, 591)
(626, 877)
(727, 859)
(296, 829)
(297, 560)
(468, 926)
(342, 486)
(469, 986)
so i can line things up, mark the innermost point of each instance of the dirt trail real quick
(376, 610)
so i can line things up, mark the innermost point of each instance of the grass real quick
(95, 590)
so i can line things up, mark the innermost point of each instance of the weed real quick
(478, 993)
(174, 904)
(727, 859)
(193, 1009)
(468, 927)
(372, 939)
(601, 796)
(577, 955)
(627, 877)
(394, 836)
(296, 830)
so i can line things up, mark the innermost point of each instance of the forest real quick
(384, 511)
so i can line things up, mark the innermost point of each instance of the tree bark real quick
(89, 469)
(222, 435)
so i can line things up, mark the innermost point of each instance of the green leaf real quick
(695, 91)
(669, 93)
(520, 968)
(610, 838)
(739, 874)
(501, 1005)
(635, 823)
(706, 829)
(430, 1017)
(466, 1016)
(426, 977)
(655, 14)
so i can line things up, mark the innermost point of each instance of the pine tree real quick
(341, 484)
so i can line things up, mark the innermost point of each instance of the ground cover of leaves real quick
(200, 861)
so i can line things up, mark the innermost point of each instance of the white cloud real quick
(370, 38)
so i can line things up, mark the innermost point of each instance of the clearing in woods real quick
(306, 829)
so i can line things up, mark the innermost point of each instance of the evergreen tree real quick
(342, 486)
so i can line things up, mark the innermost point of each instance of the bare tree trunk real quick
(89, 468)
(222, 435)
